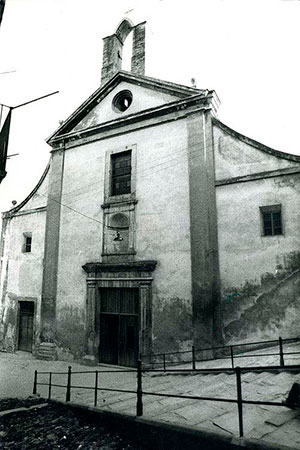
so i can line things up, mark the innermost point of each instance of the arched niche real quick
(119, 221)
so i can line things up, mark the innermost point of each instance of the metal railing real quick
(140, 392)
(231, 352)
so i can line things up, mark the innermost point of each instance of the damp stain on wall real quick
(265, 310)
(172, 327)
(70, 336)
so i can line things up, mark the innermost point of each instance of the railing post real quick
(50, 379)
(164, 361)
(68, 394)
(232, 357)
(281, 352)
(239, 399)
(35, 382)
(96, 388)
(193, 358)
(139, 403)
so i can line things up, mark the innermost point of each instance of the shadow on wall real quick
(266, 310)
(172, 328)
(70, 334)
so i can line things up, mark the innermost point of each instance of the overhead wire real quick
(188, 155)
(140, 171)
(72, 209)
(187, 158)
(82, 195)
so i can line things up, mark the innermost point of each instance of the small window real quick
(27, 242)
(271, 220)
(122, 101)
(121, 173)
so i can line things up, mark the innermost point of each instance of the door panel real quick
(128, 341)
(129, 301)
(110, 300)
(109, 338)
(26, 326)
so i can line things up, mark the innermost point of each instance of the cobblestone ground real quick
(274, 424)
(47, 426)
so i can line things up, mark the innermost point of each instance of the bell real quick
(118, 237)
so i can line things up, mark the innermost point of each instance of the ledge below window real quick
(128, 199)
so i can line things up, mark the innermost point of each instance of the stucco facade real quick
(179, 256)
(21, 272)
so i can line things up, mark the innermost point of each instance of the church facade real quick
(153, 228)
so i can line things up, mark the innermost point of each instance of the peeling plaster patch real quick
(10, 338)
(291, 181)
(231, 296)
(268, 309)
(9, 324)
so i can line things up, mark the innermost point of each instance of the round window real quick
(122, 101)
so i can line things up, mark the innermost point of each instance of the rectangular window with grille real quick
(271, 220)
(121, 173)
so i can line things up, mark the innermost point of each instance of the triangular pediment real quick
(142, 98)
(145, 93)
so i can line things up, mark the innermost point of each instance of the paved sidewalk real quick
(278, 425)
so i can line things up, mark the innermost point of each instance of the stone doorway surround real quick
(129, 274)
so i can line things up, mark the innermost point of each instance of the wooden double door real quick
(119, 326)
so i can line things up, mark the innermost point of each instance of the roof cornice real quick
(259, 176)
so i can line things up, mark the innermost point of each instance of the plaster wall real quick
(163, 230)
(26, 268)
(251, 264)
(235, 158)
(142, 99)
(162, 223)
(21, 273)
(245, 254)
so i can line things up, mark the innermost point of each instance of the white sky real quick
(247, 50)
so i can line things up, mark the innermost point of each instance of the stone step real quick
(46, 351)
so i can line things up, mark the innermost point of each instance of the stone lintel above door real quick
(126, 269)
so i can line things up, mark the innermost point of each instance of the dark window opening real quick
(121, 173)
(27, 243)
(272, 222)
(122, 101)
